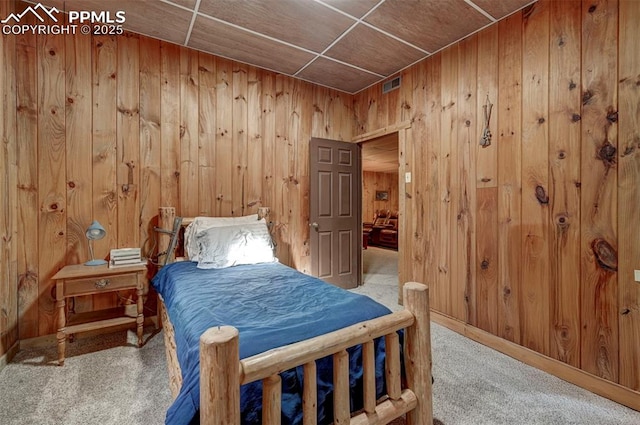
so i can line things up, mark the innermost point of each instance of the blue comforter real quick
(271, 305)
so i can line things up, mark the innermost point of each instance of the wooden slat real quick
(599, 291)
(239, 139)
(128, 141)
(392, 365)
(255, 140)
(267, 105)
(170, 125)
(282, 170)
(207, 135)
(341, 412)
(224, 138)
(310, 394)
(105, 195)
(464, 198)
(508, 140)
(564, 173)
(486, 263)
(629, 196)
(407, 192)
(150, 118)
(8, 184)
(189, 132)
(534, 293)
(27, 174)
(432, 184)
(51, 172)
(271, 394)
(369, 376)
(447, 167)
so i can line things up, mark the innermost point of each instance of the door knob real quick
(314, 225)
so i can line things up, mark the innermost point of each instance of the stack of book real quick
(126, 257)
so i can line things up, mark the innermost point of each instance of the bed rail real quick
(219, 360)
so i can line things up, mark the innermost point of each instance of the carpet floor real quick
(107, 380)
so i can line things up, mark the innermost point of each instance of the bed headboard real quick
(171, 229)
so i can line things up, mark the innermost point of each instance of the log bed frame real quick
(219, 358)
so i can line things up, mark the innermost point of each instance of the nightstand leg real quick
(140, 318)
(62, 338)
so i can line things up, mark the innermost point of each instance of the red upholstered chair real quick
(388, 236)
(369, 229)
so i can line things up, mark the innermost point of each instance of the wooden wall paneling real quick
(629, 195)
(170, 125)
(207, 134)
(448, 173)
(534, 291)
(52, 225)
(267, 105)
(128, 141)
(509, 175)
(255, 141)
(463, 277)
(431, 183)
(240, 139)
(282, 158)
(599, 292)
(486, 263)
(417, 237)
(27, 184)
(224, 137)
(564, 182)
(8, 191)
(302, 180)
(299, 152)
(79, 153)
(406, 210)
(150, 113)
(189, 187)
(339, 116)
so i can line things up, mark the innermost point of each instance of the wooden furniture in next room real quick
(76, 280)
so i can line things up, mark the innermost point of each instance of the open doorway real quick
(380, 210)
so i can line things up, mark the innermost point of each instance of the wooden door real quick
(334, 212)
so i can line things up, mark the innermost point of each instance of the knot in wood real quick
(576, 117)
(541, 195)
(606, 255)
(562, 155)
(485, 264)
(607, 154)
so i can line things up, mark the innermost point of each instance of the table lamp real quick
(94, 232)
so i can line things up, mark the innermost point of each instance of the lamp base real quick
(95, 262)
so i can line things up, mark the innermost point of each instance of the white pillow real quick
(228, 246)
(191, 247)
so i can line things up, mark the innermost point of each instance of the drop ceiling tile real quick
(333, 74)
(428, 24)
(230, 42)
(303, 23)
(500, 9)
(363, 43)
(356, 8)
(191, 4)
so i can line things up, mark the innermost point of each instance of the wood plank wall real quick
(111, 128)
(534, 238)
(373, 181)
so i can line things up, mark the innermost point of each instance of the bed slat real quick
(369, 373)
(392, 365)
(271, 396)
(310, 395)
(341, 411)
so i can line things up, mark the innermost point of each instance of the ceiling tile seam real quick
(481, 10)
(193, 21)
(395, 37)
(179, 6)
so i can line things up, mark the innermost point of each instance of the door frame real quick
(404, 159)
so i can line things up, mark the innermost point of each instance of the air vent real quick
(391, 85)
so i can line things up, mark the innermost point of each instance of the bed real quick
(242, 350)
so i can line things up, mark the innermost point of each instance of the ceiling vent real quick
(391, 84)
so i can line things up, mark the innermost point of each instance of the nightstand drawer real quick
(95, 285)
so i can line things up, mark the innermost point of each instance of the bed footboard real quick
(219, 358)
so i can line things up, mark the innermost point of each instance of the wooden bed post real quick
(418, 352)
(166, 216)
(220, 376)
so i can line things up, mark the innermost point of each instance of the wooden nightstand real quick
(79, 280)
